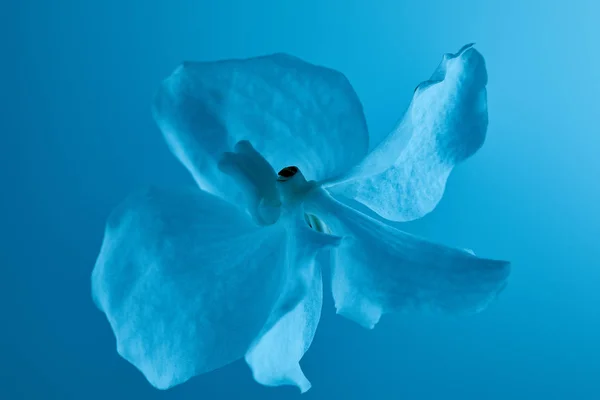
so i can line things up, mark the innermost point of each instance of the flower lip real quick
(286, 173)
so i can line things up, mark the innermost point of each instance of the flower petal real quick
(257, 179)
(404, 177)
(291, 111)
(275, 356)
(187, 282)
(381, 269)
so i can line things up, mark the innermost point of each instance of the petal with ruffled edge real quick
(187, 282)
(404, 177)
(291, 111)
(380, 269)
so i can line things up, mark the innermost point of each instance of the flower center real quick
(293, 186)
(287, 173)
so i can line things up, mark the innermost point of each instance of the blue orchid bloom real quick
(194, 279)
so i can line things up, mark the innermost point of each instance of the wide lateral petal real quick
(380, 269)
(187, 282)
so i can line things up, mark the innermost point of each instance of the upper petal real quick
(404, 177)
(187, 282)
(381, 269)
(291, 111)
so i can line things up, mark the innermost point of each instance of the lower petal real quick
(274, 359)
(380, 269)
(187, 282)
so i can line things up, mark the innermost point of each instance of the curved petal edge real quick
(380, 269)
(405, 176)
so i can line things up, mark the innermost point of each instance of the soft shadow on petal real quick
(381, 269)
(256, 178)
(274, 358)
(404, 177)
(187, 282)
(291, 111)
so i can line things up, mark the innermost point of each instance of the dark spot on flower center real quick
(288, 172)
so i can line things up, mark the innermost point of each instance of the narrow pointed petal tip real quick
(465, 48)
(355, 307)
(292, 377)
(303, 384)
(305, 387)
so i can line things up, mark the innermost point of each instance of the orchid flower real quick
(194, 279)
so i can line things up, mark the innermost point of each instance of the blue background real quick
(77, 136)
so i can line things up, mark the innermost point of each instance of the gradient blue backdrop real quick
(77, 136)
